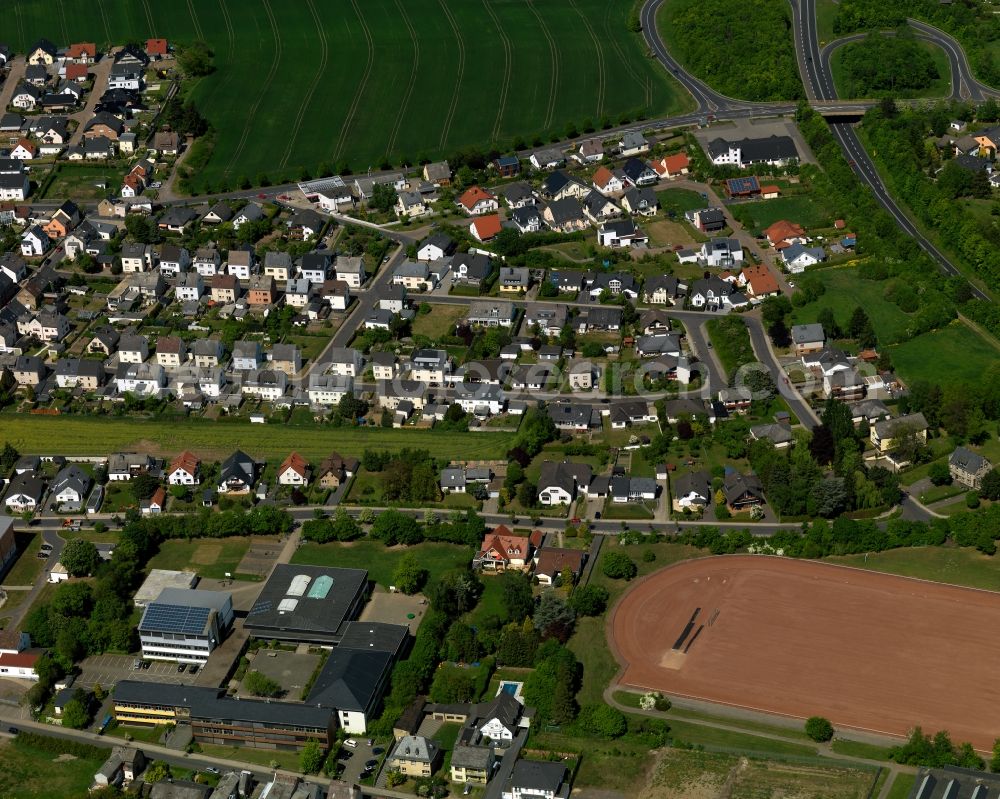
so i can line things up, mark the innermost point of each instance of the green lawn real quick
(209, 557)
(82, 435)
(380, 561)
(731, 341)
(801, 209)
(439, 322)
(965, 351)
(680, 200)
(941, 87)
(859, 749)
(30, 773)
(298, 85)
(941, 564)
(80, 181)
(901, 786)
(826, 13)
(28, 566)
(261, 757)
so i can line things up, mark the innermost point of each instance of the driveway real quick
(15, 73)
(101, 71)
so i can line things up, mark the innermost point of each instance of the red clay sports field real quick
(867, 650)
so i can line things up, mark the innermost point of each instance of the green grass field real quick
(938, 88)
(901, 786)
(210, 558)
(30, 773)
(81, 181)
(845, 291)
(680, 200)
(81, 435)
(966, 353)
(802, 209)
(381, 562)
(353, 83)
(940, 564)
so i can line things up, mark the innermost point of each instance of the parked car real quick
(212, 770)
(193, 668)
(351, 743)
(180, 668)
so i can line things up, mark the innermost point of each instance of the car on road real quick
(597, 515)
(708, 344)
(262, 196)
(13, 730)
(575, 520)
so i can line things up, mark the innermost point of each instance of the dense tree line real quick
(881, 66)
(899, 137)
(742, 49)
(971, 23)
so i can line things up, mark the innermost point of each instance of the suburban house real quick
(565, 215)
(759, 282)
(415, 756)
(589, 151)
(797, 257)
(435, 247)
(783, 233)
(491, 313)
(184, 470)
(24, 493)
(559, 481)
(527, 219)
(70, 487)
(692, 491)
(294, 471)
(623, 233)
(239, 471)
(547, 158)
(532, 779)
(663, 289)
(707, 220)
(335, 470)
(641, 201)
(633, 143)
(671, 166)
(968, 467)
(551, 562)
(476, 201)
(501, 550)
(484, 228)
(606, 181)
(778, 433)
(883, 433)
(638, 173)
(808, 338)
(742, 491)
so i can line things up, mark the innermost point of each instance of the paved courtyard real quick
(394, 608)
(290, 670)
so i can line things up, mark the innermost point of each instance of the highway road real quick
(819, 84)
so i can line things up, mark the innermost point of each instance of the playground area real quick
(869, 651)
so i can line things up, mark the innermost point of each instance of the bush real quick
(261, 685)
(819, 728)
(603, 721)
(939, 473)
(972, 500)
(618, 566)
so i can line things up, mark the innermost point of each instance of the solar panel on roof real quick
(260, 606)
(175, 619)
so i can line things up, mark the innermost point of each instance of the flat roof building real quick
(159, 579)
(307, 604)
(185, 625)
(218, 719)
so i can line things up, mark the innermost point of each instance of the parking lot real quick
(354, 760)
(106, 670)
